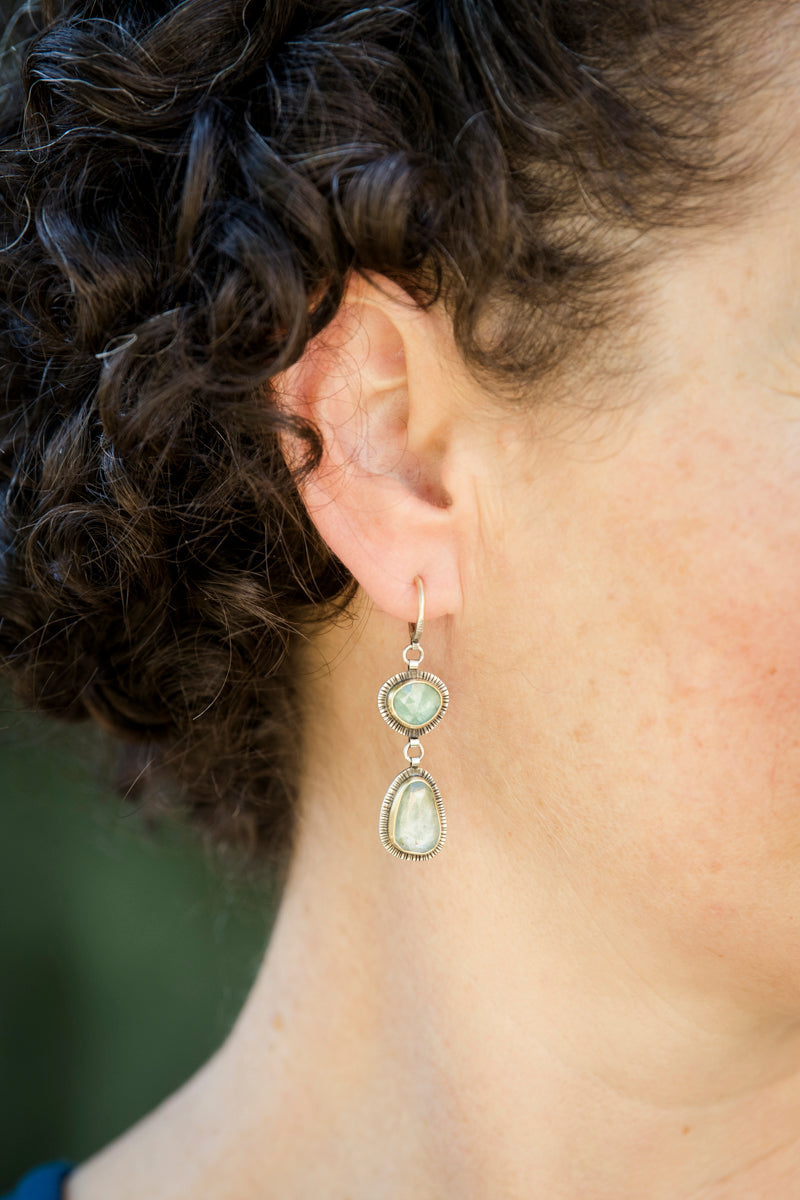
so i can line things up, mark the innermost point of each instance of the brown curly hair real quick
(185, 190)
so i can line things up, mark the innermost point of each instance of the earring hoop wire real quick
(415, 631)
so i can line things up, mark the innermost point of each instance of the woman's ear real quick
(378, 386)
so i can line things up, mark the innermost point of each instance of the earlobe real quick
(373, 386)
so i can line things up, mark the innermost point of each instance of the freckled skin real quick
(669, 619)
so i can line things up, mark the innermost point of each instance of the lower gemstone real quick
(414, 823)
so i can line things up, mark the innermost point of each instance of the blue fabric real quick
(44, 1183)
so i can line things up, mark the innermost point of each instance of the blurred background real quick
(125, 952)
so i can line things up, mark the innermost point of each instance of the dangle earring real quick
(412, 821)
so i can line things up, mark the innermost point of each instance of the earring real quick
(412, 821)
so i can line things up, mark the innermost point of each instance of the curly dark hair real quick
(185, 190)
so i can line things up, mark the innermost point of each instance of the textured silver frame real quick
(411, 677)
(383, 822)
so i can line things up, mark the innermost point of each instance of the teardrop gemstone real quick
(414, 823)
(414, 703)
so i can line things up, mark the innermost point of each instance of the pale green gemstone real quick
(414, 703)
(414, 822)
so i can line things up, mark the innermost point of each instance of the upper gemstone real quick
(414, 703)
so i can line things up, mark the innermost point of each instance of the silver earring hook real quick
(415, 631)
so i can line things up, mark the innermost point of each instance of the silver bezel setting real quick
(383, 822)
(411, 677)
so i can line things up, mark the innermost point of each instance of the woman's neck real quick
(488, 1024)
(461, 1042)
(408, 1040)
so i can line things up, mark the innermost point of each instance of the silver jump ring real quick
(413, 751)
(419, 654)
